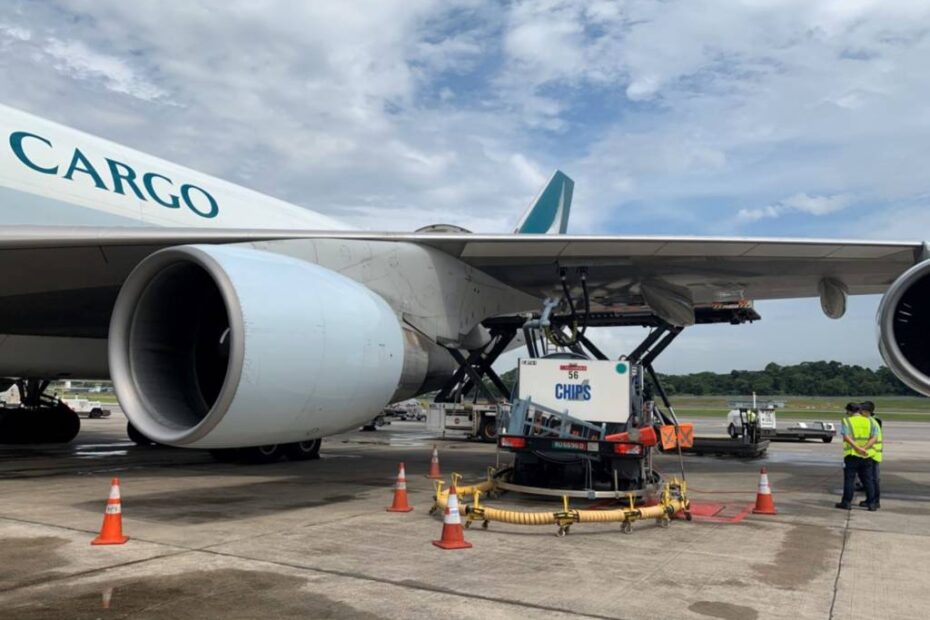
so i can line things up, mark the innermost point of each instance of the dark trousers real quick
(857, 466)
(876, 470)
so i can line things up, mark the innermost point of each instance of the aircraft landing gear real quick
(137, 437)
(303, 450)
(262, 455)
(39, 419)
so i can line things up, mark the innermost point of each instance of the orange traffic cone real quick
(400, 493)
(434, 472)
(112, 531)
(765, 505)
(453, 535)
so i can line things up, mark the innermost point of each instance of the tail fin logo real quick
(548, 213)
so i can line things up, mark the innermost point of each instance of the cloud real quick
(799, 203)
(76, 60)
(14, 32)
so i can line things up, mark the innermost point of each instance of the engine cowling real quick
(228, 346)
(904, 327)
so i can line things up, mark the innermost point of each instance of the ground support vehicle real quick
(475, 420)
(584, 445)
(558, 330)
(90, 408)
(759, 421)
(802, 431)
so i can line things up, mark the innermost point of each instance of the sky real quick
(803, 118)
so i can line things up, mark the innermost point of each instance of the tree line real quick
(804, 379)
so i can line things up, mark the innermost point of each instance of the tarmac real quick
(313, 539)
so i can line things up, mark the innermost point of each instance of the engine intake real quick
(227, 346)
(904, 327)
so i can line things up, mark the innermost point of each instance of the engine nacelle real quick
(227, 346)
(904, 327)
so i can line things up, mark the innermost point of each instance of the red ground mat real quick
(713, 512)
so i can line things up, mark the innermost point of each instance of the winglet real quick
(548, 213)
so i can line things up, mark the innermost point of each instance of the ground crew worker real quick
(868, 408)
(858, 438)
(749, 426)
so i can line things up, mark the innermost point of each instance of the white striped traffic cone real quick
(453, 534)
(765, 504)
(400, 493)
(111, 533)
(434, 472)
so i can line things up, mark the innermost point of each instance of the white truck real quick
(759, 418)
(476, 420)
(92, 408)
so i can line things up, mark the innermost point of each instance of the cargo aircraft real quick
(227, 319)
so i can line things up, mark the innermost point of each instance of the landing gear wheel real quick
(303, 450)
(261, 455)
(488, 430)
(731, 431)
(137, 437)
(57, 424)
(40, 418)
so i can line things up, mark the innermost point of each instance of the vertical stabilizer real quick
(548, 213)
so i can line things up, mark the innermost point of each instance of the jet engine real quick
(220, 346)
(904, 327)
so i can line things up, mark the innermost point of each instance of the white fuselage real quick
(51, 174)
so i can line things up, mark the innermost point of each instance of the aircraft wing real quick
(756, 268)
(44, 266)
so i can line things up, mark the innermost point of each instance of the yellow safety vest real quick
(861, 429)
(875, 452)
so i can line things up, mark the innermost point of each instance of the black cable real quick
(558, 336)
(587, 301)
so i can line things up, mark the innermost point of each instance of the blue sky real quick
(771, 117)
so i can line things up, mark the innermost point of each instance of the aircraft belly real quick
(51, 357)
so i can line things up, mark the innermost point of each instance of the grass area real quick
(897, 408)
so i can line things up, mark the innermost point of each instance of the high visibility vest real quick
(861, 429)
(875, 452)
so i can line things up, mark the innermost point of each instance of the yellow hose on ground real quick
(624, 514)
(667, 507)
(517, 517)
